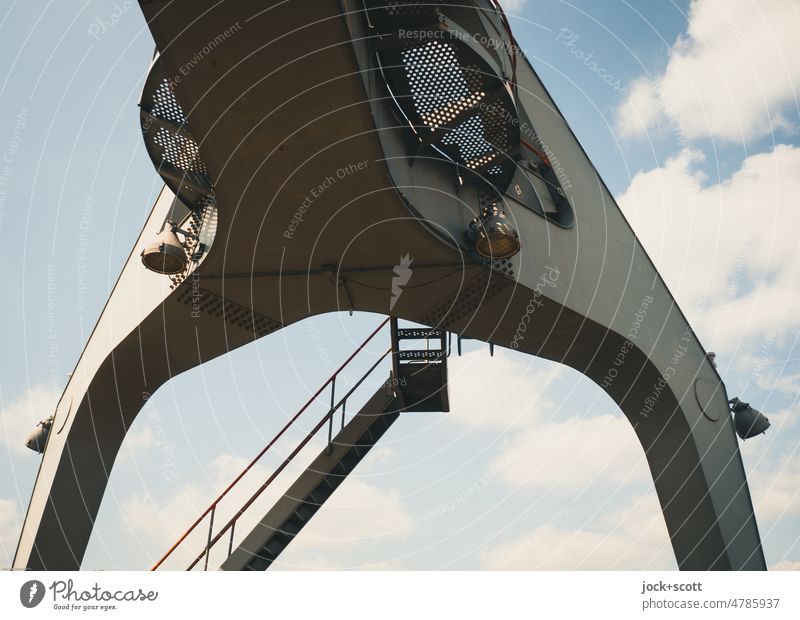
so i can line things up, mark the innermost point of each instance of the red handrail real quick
(268, 446)
(326, 418)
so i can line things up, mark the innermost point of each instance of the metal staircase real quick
(292, 512)
(418, 382)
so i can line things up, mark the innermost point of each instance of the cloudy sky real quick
(688, 109)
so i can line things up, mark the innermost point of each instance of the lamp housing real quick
(747, 421)
(165, 255)
(38, 438)
(493, 235)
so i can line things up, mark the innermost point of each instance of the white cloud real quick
(574, 454)
(727, 251)
(733, 75)
(641, 110)
(382, 454)
(633, 538)
(140, 438)
(357, 515)
(786, 384)
(10, 525)
(786, 565)
(339, 523)
(776, 490)
(535, 399)
(502, 392)
(20, 416)
(513, 6)
(566, 460)
(772, 462)
(157, 524)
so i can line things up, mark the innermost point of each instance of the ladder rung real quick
(292, 526)
(418, 334)
(304, 512)
(265, 555)
(432, 354)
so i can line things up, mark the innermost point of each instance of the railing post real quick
(394, 329)
(210, 531)
(294, 418)
(329, 448)
(331, 413)
(313, 433)
(230, 542)
(344, 406)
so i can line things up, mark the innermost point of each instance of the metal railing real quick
(328, 418)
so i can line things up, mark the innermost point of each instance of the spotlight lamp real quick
(38, 438)
(748, 422)
(493, 235)
(166, 254)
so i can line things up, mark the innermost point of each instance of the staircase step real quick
(421, 355)
(421, 333)
(305, 511)
(302, 500)
(293, 526)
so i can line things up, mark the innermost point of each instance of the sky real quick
(688, 110)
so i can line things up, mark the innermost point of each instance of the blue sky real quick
(689, 113)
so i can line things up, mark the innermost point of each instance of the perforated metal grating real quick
(202, 223)
(388, 13)
(171, 146)
(180, 151)
(504, 266)
(202, 300)
(470, 139)
(165, 105)
(206, 227)
(419, 333)
(466, 301)
(460, 104)
(400, 8)
(438, 86)
(486, 198)
(432, 354)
